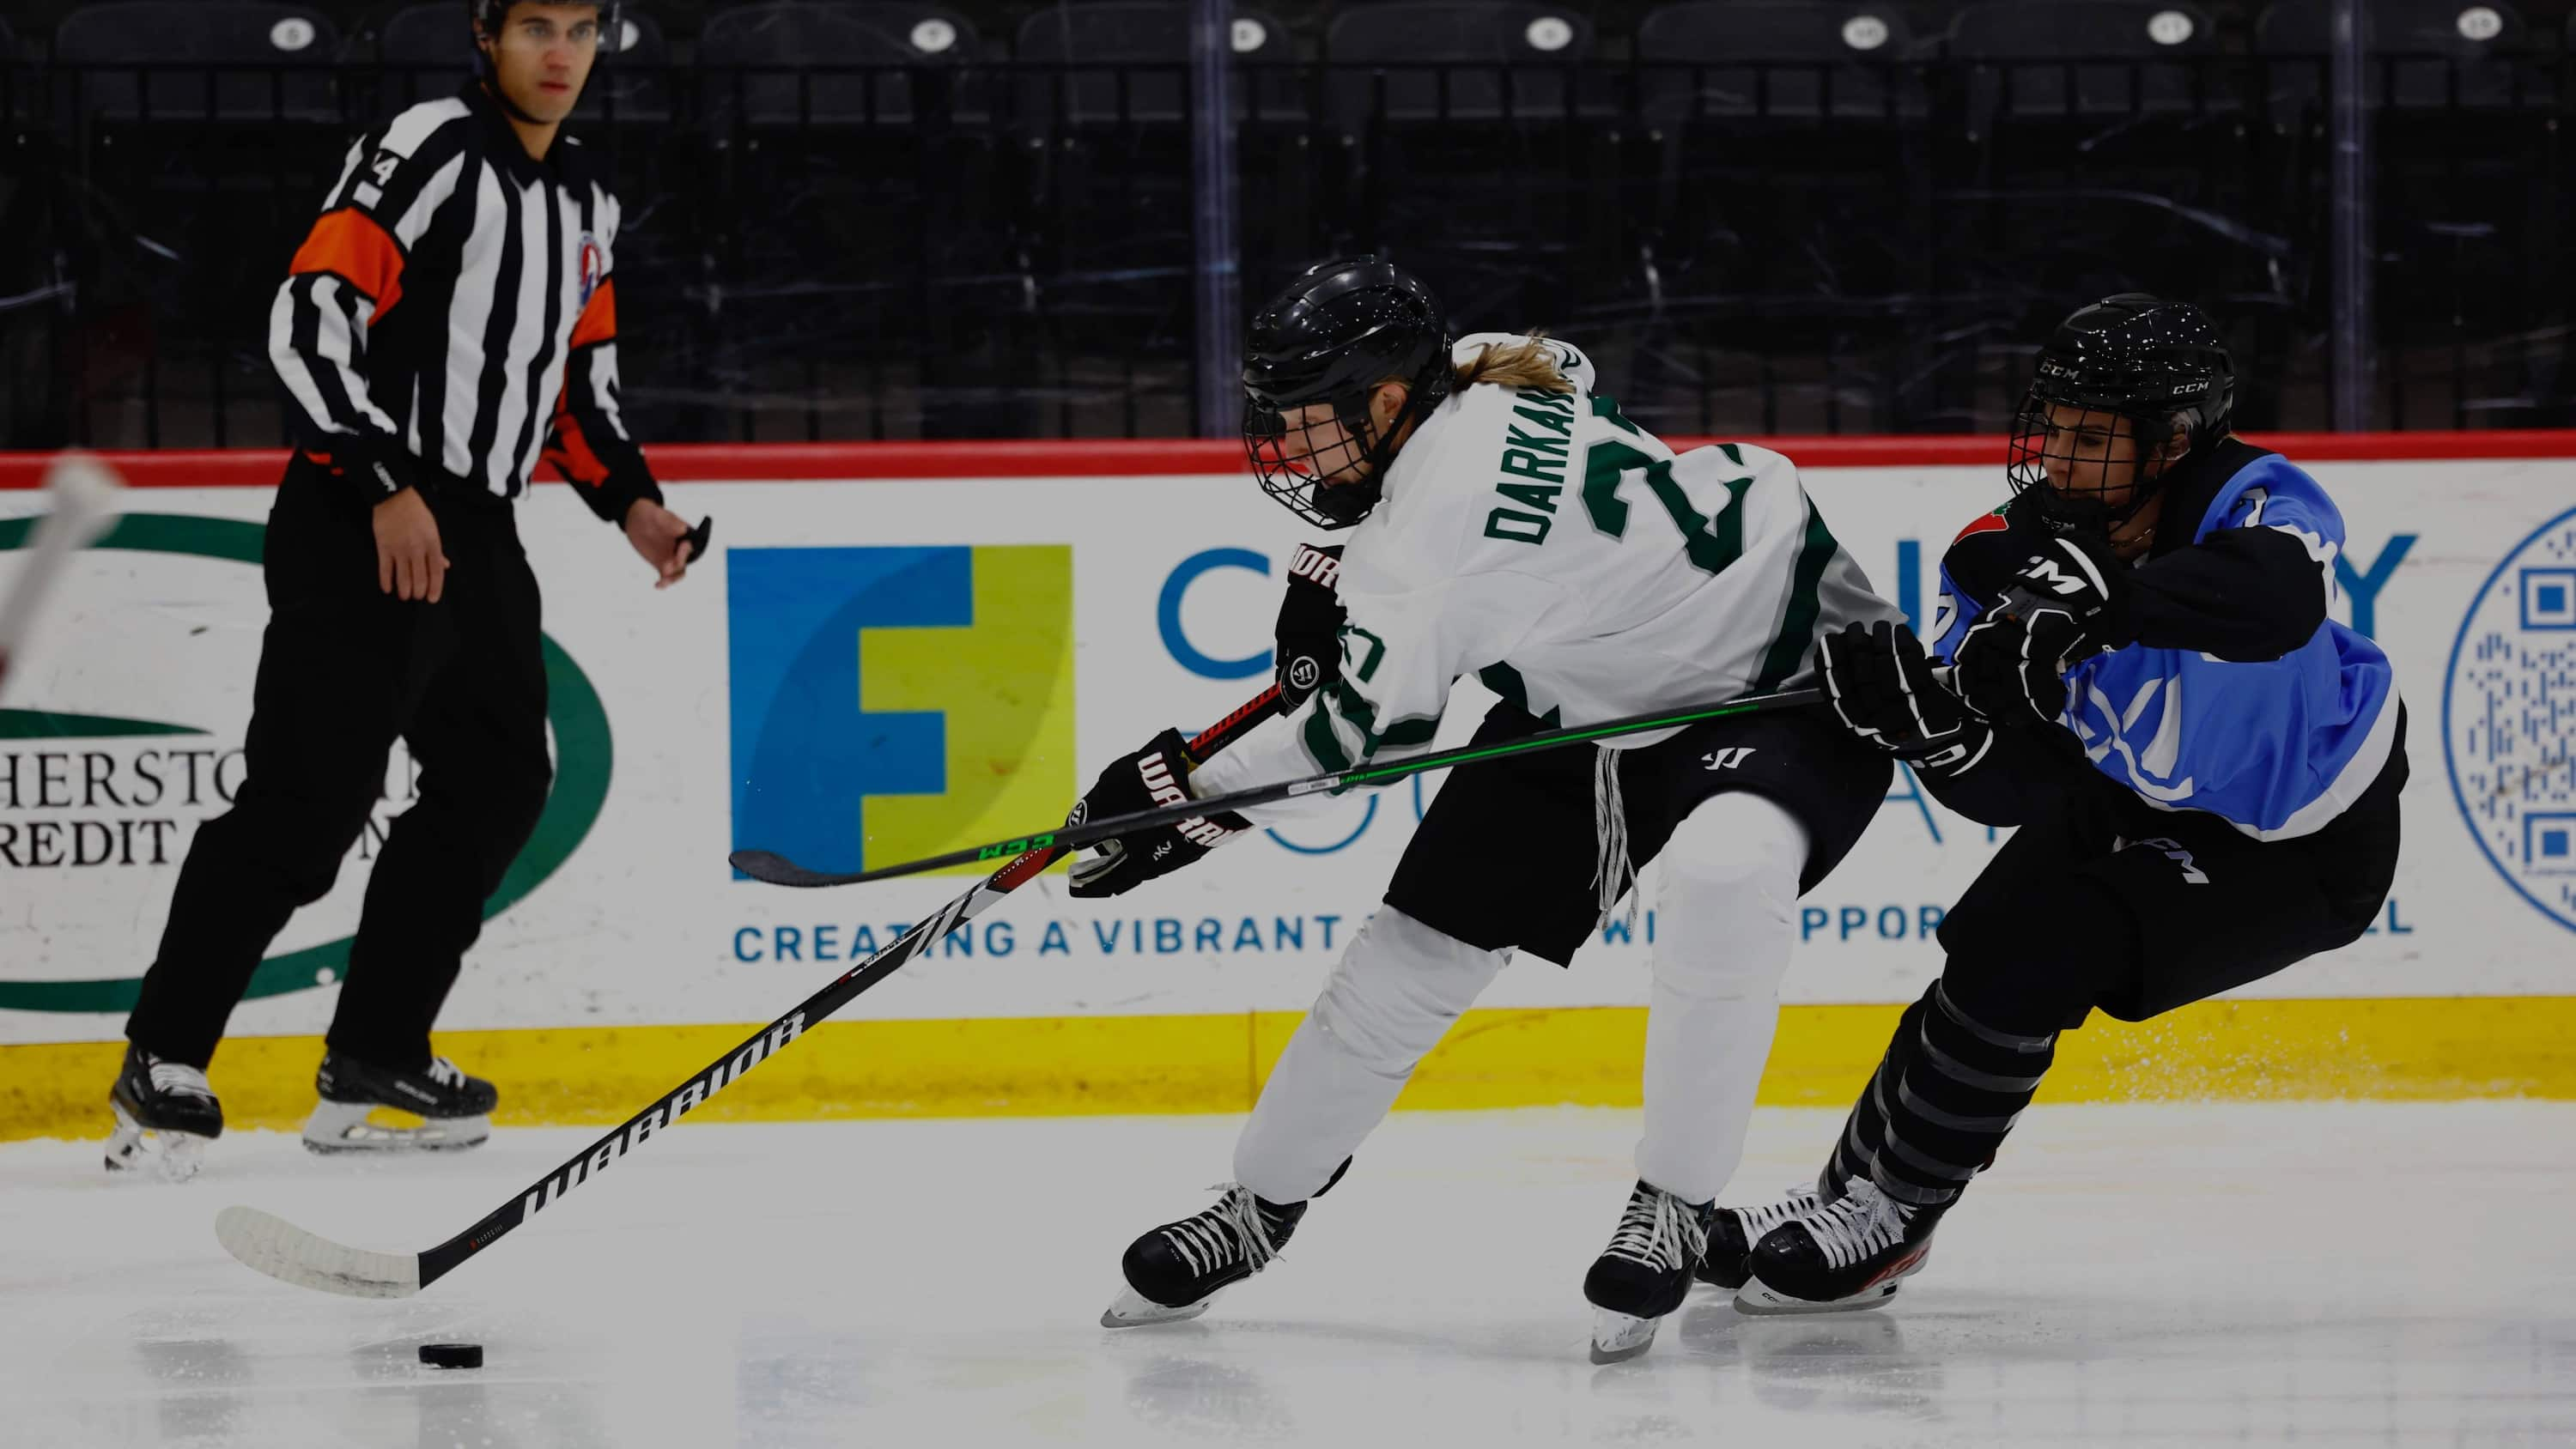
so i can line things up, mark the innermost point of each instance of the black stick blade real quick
(776, 869)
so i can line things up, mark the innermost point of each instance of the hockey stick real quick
(779, 870)
(82, 494)
(289, 1254)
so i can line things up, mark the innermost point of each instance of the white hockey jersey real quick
(1573, 563)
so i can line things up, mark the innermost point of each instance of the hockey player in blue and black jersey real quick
(2202, 766)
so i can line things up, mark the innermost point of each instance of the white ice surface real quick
(2381, 1274)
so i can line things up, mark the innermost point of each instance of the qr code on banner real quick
(2509, 716)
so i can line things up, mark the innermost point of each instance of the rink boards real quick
(901, 649)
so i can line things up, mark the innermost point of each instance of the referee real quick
(450, 320)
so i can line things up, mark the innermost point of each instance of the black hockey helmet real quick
(1331, 337)
(2132, 356)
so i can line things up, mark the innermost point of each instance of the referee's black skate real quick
(1850, 1254)
(1176, 1270)
(165, 1112)
(1734, 1231)
(1646, 1271)
(455, 1109)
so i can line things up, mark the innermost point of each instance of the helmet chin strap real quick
(2146, 490)
(1364, 491)
(1418, 403)
(2083, 515)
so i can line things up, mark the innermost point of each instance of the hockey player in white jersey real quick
(1507, 522)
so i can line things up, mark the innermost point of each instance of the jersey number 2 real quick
(1710, 543)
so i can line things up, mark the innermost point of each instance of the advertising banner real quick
(868, 671)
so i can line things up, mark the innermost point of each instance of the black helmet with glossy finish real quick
(2133, 356)
(1337, 332)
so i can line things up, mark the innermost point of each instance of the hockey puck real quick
(452, 1355)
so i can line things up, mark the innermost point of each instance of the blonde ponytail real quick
(1522, 366)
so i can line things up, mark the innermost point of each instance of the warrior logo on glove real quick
(1309, 632)
(1167, 791)
(1148, 779)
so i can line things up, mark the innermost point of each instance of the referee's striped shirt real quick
(453, 312)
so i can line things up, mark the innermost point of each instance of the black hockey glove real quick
(1988, 552)
(2086, 583)
(2011, 665)
(1310, 625)
(1151, 777)
(1883, 689)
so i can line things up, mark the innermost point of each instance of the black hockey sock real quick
(1954, 1102)
(1866, 1128)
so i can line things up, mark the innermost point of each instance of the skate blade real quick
(338, 1127)
(1618, 1337)
(175, 1156)
(1764, 1301)
(1134, 1310)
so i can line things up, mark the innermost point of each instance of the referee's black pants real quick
(344, 670)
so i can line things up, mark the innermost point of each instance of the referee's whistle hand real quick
(410, 565)
(656, 533)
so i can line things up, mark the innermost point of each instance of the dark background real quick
(834, 232)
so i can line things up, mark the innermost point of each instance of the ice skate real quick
(165, 1114)
(1734, 1231)
(1645, 1272)
(1176, 1271)
(454, 1109)
(1848, 1255)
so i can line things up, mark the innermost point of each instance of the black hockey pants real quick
(344, 670)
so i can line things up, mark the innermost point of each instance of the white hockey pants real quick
(1725, 921)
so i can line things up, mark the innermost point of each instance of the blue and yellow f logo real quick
(891, 703)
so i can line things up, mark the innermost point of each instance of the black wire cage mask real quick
(1316, 354)
(2094, 436)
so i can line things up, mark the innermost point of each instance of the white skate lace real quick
(1660, 1231)
(1802, 1200)
(445, 1072)
(1863, 1223)
(180, 1079)
(1223, 1234)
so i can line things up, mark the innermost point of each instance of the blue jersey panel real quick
(2276, 748)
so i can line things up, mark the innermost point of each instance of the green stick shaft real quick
(777, 870)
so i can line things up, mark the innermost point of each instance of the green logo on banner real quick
(583, 756)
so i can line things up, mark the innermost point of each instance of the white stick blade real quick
(289, 1254)
(81, 499)
(82, 493)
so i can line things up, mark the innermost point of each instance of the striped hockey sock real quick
(1953, 1102)
(1866, 1128)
